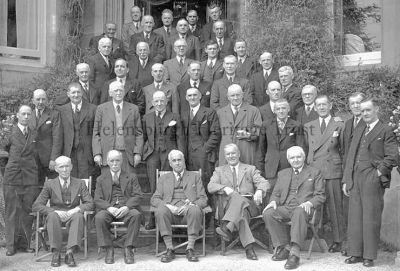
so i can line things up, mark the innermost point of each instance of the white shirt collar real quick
(230, 76)
(327, 120)
(62, 181)
(176, 174)
(120, 105)
(83, 83)
(236, 169)
(284, 121)
(211, 61)
(372, 125)
(310, 105)
(21, 127)
(237, 107)
(191, 81)
(118, 173)
(287, 87)
(79, 106)
(195, 109)
(121, 78)
(179, 58)
(267, 71)
(299, 169)
(158, 83)
(272, 104)
(162, 113)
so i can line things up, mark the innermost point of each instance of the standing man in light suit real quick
(372, 154)
(324, 137)
(243, 189)
(117, 126)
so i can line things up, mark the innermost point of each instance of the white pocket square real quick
(335, 134)
(379, 138)
(208, 93)
(48, 122)
(309, 179)
(291, 134)
(204, 122)
(172, 123)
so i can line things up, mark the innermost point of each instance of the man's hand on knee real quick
(307, 206)
(63, 215)
(272, 204)
(121, 212)
(228, 190)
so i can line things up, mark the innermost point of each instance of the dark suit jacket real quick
(133, 93)
(293, 96)
(348, 135)
(310, 188)
(219, 91)
(49, 136)
(325, 150)
(21, 168)
(105, 126)
(258, 86)
(207, 32)
(226, 50)
(93, 96)
(205, 89)
(87, 115)
(247, 68)
(51, 191)
(117, 47)
(138, 73)
(266, 112)
(382, 151)
(156, 44)
(217, 71)
(192, 188)
(172, 131)
(193, 46)
(169, 90)
(207, 130)
(174, 72)
(161, 32)
(302, 117)
(99, 71)
(196, 32)
(272, 146)
(130, 190)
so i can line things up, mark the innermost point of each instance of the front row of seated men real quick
(180, 198)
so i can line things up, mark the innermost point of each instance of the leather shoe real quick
(27, 250)
(250, 253)
(10, 252)
(69, 260)
(281, 254)
(292, 262)
(224, 232)
(152, 223)
(128, 256)
(109, 255)
(56, 259)
(168, 256)
(368, 263)
(335, 247)
(191, 256)
(353, 259)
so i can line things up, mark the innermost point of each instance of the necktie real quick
(39, 114)
(168, 31)
(26, 132)
(235, 113)
(281, 125)
(107, 61)
(308, 110)
(65, 185)
(120, 80)
(179, 179)
(76, 109)
(241, 61)
(158, 86)
(367, 129)
(118, 109)
(147, 36)
(181, 62)
(210, 66)
(137, 26)
(296, 172)
(323, 126)
(158, 114)
(115, 179)
(85, 87)
(266, 76)
(355, 122)
(220, 44)
(231, 80)
(234, 178)
(195, 84)
(143, 63)
(191, 114)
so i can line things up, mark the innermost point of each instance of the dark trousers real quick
(365, 214)
(43, 172)
(74, 227)
(18, 205)
(275, 222)
(103, 220)
(82, 168)
(333, 192)
(156, 160)
(197, 159)
(238, 211)
(193, 219)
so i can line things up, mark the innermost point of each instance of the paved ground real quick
(234, 260)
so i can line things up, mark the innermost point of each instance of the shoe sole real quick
(223, 234)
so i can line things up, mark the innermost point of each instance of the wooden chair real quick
(202, 235)
(40, 228)
(254, 223)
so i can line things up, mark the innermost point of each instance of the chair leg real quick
(204, 235)
(223, 248)
(157, 238)
(310, 248)
(85, 239)
(37, 236)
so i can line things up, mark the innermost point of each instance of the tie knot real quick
(296, 171)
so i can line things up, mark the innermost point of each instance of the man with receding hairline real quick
(194, 27)
(193, 43)
(166, 30)
(307, 112)
(20, 183)
(225, 44)
(132, 27)
(291, 93)
(176, 68)
(247, 66)
(207, 30)
(274, 92)
(117, 46)
(140, 64)
(154, 40)
(69, 198)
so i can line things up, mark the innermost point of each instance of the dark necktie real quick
(181, 62)
(179, 179)
(76, 109)
(137, 26)
(234, 178)
(236, 112)
(191, 114)
(323, 126)
(266, 76)
(308, 110)
(147, 37)
(296, 172)
(168, 31)
(158, 86)
(39, 114)
(231, 80)
(195, 84)
(355, 122)
(26, 132)
(158, 115)
(118, 109)
(211, 65)
(220, 44)
(85, 87)
(367, 130)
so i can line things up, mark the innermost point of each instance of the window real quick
(358, 32)
(23, 32)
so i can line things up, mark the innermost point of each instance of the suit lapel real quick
(44, 117)
(168, 116)
(57, 188)
(84, 111)
(327, 133)
(74, 188)
(107, 185)
(274, 129)
(229, 114)
(286, 130)
(242, 171)
(241, 114)
(374, 132)
(125, 112)
(123, 181)
(69, 114)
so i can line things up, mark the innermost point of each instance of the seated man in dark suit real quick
(154, 40)
(243, 188)
(180, 196)
(117, 198)
(69, 198)
(299, 190)
(274, 93)
(307, 112)
(117, 46)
